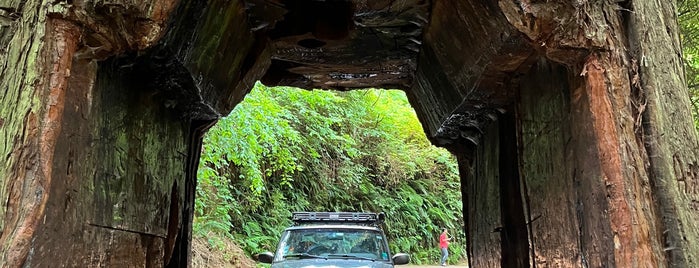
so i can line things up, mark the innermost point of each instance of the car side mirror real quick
(401, 258)
(264, 257)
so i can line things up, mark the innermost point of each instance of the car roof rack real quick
(359, 218)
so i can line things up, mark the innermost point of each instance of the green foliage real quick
(286, 149)
(688, 17)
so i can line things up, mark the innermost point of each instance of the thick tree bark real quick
(101, 130)
(56, 124)
(104, 103)
(628, 103)
(603, 111)
(670, 138)
(33, 80)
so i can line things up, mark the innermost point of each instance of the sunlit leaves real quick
(286, 149)
(688, 17)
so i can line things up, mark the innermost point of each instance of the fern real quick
(285, 149)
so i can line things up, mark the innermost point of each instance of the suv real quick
(334, 239)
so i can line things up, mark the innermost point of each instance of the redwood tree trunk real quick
(103, 104)
(634, 147)
(38, 55)
(87, 177)
(670, 138)
(101, 118)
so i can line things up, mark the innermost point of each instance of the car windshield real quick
(335, 243)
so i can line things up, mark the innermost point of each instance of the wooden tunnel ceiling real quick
(455, 59)
(341, 44)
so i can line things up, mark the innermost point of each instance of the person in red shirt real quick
(444, 245)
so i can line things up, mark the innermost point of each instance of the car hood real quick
(331, 263)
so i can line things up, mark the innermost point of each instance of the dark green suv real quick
(334, 239)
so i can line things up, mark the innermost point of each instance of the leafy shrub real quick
(285, 149)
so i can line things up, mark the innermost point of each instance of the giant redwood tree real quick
(570, 119)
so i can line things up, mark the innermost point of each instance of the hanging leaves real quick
(285, 149)
(688, 17)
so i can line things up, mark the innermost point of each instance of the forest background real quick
(286, 149)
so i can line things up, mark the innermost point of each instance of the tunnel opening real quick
(361, 150)
(384, 53)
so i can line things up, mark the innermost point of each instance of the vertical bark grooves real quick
(524, 190)
(181, 252)
(129, 128)
(631, 228)
(20, 106)
(670, 140)
(514, 234)
(464, 157)
(547, 160)
(595, 235)
(29, 206)
(484, 203)
(613, 119)
(605, 129)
